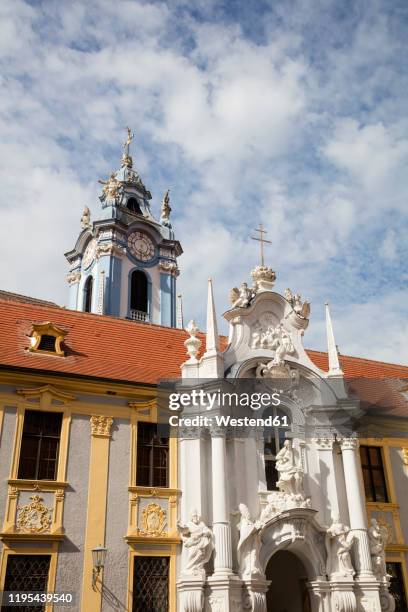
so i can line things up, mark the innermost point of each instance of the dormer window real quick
(133, 205)
(46, 338)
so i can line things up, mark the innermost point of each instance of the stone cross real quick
(262, 240)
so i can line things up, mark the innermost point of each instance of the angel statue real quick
(86, 218)
(249, 544)
(198, 541)
(165, 209)
(241, 297)
(110, 187)
(295, 300)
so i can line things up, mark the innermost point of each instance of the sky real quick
(290, 113)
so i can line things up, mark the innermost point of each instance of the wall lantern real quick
(98, 559)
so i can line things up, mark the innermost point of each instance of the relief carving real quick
(34, 517)
(275, 339)
(153, 520)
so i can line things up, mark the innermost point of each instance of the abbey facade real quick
(100, 498)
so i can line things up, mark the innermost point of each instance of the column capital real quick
(101, 425)
(349, 443)
(324, 443)
(218, 432)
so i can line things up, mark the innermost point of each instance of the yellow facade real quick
(388, 513)
(37, 391)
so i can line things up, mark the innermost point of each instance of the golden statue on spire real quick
(126, 158)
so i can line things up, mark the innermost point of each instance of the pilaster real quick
(96, 513)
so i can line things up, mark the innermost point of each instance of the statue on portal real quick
(378, 538)
(249, 544)
(290, 475)
(340, 542)
(198, 541)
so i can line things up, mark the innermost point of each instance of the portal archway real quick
(288, 591)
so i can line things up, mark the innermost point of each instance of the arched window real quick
(274, 438)
(88, 294)
(133, 205)
(138, 295)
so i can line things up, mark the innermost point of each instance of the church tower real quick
(125, 263)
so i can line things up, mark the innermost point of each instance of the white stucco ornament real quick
(290, 475)
(290, 484)
(264, 278)
(340, 543)
(198, 540)
(378, 537)
(249, 544)
(192, 343)
(274, 338)
(240, 298)
(295, 300)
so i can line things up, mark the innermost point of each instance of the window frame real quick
(41, 437)
(46, 329)
(270, 458)
(132, 289)
(26, 550)
(370, 468)
(88, 293)
(151, 465)
(170, 552)
(401, 563)
(45, 395)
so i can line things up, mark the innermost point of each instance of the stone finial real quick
(263, 277)
(192, 343)
(86, 218)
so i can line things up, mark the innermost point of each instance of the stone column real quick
(221, 524)
(327, 488)
(356, 505)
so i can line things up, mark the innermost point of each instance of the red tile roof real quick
(121, 350)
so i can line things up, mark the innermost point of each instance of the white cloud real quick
(370, 153)
(242, 130)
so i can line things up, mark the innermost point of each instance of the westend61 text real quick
(228, 421)
(218, 399)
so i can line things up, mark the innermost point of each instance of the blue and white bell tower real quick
(125, 263)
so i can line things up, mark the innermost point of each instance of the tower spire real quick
(334, 364)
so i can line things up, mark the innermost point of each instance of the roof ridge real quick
(386, 363)
(29, 303)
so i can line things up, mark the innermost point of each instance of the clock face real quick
(90, 253)
(141, 246)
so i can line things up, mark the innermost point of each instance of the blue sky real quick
(289, 113)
